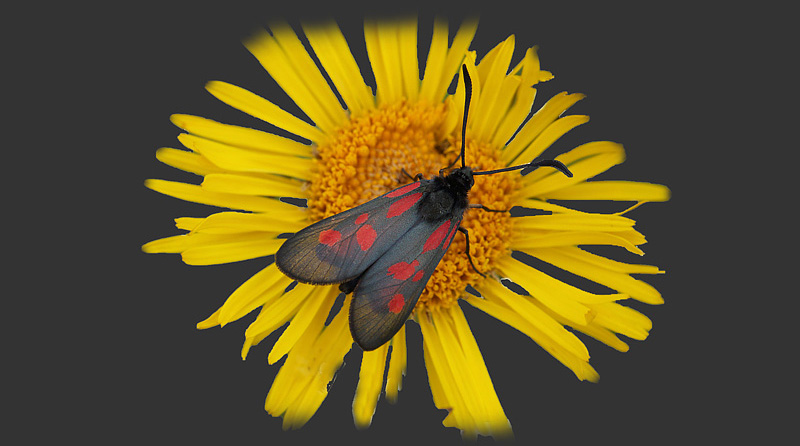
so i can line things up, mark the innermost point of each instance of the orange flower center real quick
(367, 158)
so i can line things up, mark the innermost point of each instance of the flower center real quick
(367, 158)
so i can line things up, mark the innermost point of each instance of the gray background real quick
(101, 339)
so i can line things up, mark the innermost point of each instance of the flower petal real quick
(455, 55)
(518, 111)
(287, 61)
(243, 160)
(550, 135)
(262, 109)
(274, 223)
(611, 190)
(462, 371)
(244, 184)
(194, 193)
(545, 239)
(575, 221)
(274, 313)
(492, 72)
(584, 162)
(265, 285)
(605, 272)
(397, 366)
(540, 327)
(409, 61)
(565, 300)
(334, 54)
(434, 66)
(302, 383)
(187, 161)
(246, 246)
(385, 67)
(538, 324)
(313, 309)
(623, 320)
(239, 136)
(540, 120)
(370, 382)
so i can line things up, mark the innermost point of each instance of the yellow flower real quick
(354, 153)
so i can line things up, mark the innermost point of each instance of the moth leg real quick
(466, 234)
(416, 177)
(480, 206)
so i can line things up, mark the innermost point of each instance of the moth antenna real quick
(467, 99)
(532, 165)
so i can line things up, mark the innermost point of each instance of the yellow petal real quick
(550, 135)
(306, 69)
(302, 383)
(264, 110)
(468, 373)
(265, 186)
(527, 239)
(492, 71)
(584, 161)
(397, 366)
(303, 83)
(242, 160)
(275, 313)
(194, 193)
(447, 392)
(265, 285)
(409, 62)
(276, 222)
(434, 66)
(585, 265)
(592, 329)
(384, 66)
(240, 136)
(334, 54)
(579, 366)
(612, 190)
(575, 221)
(623, 320)
(211, 321)
(522, 314)
(555, 294)
(455, 55)
(370, 382)
(250, 247)
(187, 161)
(540, 120)
(314, 308)
(520, 109)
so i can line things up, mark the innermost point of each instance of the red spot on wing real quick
(418, 275)
(402, 270)
(403, 190)
(396, 304)
(362, 218)
(403, 204)
(366, 237)
(450, 237)
(329, 237)
(436, 237)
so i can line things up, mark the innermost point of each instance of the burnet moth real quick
(385, 250)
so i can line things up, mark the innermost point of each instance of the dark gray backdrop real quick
(103, 336)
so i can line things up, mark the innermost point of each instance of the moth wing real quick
(342, 246)
(389, 290)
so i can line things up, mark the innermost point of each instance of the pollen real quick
(378, 151)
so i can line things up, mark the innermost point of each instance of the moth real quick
(385, 250)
